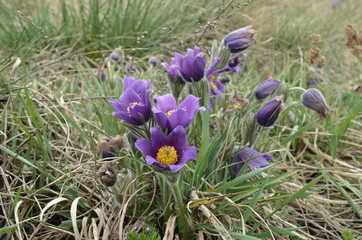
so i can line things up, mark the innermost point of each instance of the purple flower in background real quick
(168, 115)
(264, 89)
(315, 76)
(211, 104)
(314, 99)
(100, 75)
(191, 66)
(173, 72)
(134, 106)
(167, 152)
(240, 39)
(216, 87)
(269, 112)
(335, 5)
(258, 160)
(233, 65)
(152, 61)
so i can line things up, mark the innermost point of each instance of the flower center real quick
(167, 155)
(131, 105)
(213, 84)
(168, 114)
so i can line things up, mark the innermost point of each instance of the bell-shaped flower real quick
(192, 65)
(240, 39)
(168, 115)
(257, 160)
(314, 99)
(167, 152)
(264, 89)
(269, 112)
(133, 108)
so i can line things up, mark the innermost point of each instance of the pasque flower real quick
(269, 112)
(134, 106)
(257, 160)
(315, 76)
(173, 72)
(240, 39)
(264, 89)
(167, 152)
(314, 99)
(168, 115)
(192, 65)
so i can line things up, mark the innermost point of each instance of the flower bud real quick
(153, 62)
(266, 88)
(100, 75)
(108, 147)
(314, 99)
(268, 114)
(117, 55)
(240, 39)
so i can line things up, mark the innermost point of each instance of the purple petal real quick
(179, 117)
(212, 67)
(145, 147)
(178, 139)
(115, 104)
(158, 139)
(161, 119)
(127, 81)
(166, 102)
(189, 154)
(191, 105)
(129, 96)
(174, 168)
(150, 160)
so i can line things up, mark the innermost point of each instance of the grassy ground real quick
(53, 109)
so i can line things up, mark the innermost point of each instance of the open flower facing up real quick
(134, 106)
(240, 39)
(167, 152)
(314, 99)
(258, 160)
(269, 112)
(191, 66)
(168, 115)
(264, 89)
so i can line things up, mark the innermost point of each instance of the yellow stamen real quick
(168, 114)
(132, 104)
(167, 155)
(211, 76)
(213, 84)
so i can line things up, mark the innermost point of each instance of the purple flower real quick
(216, 87)
(315, 77)
(268, 114)
(240, 39)
(152, 62)
(258, 160)
(137, 86)
(173, 72)
(335, 5)
(191, 66)
(314, 99)
(233, 65)
(100, 75)
(168, 115)
(134, 106)
(117, 55)
(167, 152)
(264, 89)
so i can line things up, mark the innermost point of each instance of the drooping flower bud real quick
(264, 89)
(153, 62)
(268, 114)
(108, 147)
(314, 99)
(117, 55)
(240, 39)
(100, 75)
